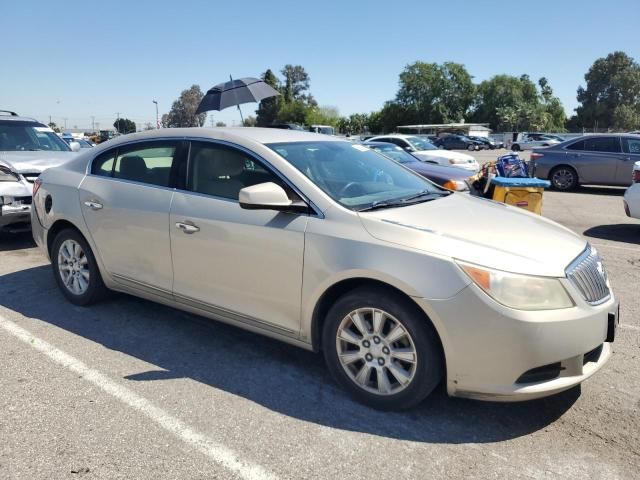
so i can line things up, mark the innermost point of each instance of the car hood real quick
(38, 161)
(479, 231)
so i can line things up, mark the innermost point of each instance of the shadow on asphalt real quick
(285, 379)
(623, 232)
(599, 190)
(16, 241)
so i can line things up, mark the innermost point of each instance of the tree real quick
(183, 110)
(515, 103)
(268, 108)
(435, 93)
(124, 125)
(612, 94)
(296, 85)
(293, 112)
(322, 116)
(54, 127)
(250, 121)
(221, 124)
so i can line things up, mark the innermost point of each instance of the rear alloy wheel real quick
(471, 147)
(381, 349)
(75, 268)
(564, 178)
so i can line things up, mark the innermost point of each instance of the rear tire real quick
(75, 268)
(471, 148)
(515, 147)
(563, 178)
(395, 362)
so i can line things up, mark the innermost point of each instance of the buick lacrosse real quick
(332, 247)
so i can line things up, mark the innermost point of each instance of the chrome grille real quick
(588, 275)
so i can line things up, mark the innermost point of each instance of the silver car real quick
(591, 160)
(27, 148)
(330, 246)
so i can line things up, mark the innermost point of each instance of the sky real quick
(77, 59)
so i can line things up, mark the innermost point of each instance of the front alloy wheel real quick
(376, 351)
(381, 348)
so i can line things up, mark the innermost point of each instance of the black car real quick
(486, 142)
(457, 142)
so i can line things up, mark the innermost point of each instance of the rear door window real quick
(579, 145)
(602, 144)
(103, 164)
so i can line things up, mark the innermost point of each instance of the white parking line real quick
(606, 245)
(215, 451)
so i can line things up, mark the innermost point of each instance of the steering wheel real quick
(350, 186)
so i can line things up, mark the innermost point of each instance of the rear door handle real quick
(187, 227)
(93, 205)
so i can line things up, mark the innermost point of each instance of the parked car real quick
(426, 151)
(527, 141)
(287, 126)
(323, 129)
(591, 160)
(330, 246)
(80, 141)
(448, 177)
(456, 142)
(632, 195)
(488, 143)
(27, 147)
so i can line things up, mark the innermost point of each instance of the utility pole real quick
(157, 118)
(118, 122)
(65, 122)
(49, 120)
(93, 123)
(211, 118)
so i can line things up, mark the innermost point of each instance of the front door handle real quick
(187, 227)
(93, 205)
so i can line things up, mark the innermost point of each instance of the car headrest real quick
(214, 163)
(133, 167)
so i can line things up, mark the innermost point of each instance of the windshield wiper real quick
(405, 201)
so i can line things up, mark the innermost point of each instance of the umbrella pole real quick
(241, 117)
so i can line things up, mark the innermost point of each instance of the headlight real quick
(522, 292)
(458, 161)
(456, 185)
(7, 175)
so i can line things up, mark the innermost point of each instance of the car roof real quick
(394, 135)
(231, 134)
(13, 118)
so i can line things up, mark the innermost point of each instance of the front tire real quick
(75, 268)
(381, 349)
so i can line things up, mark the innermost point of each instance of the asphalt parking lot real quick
(132, 389)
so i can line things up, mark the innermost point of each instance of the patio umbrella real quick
(235, 93)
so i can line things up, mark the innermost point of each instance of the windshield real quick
(421, 143)
(394, 152)
(354, 175)
(21, 136)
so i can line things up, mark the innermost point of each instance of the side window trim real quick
(254, 156)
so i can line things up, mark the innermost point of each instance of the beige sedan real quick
(331, 246)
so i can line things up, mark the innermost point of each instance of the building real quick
(473, 129)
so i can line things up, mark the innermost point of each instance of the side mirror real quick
(269, 196)
(410, 149)
(75, 146)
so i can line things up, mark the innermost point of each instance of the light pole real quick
(157, 119)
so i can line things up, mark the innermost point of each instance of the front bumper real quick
(14, 213)
(489, 348)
